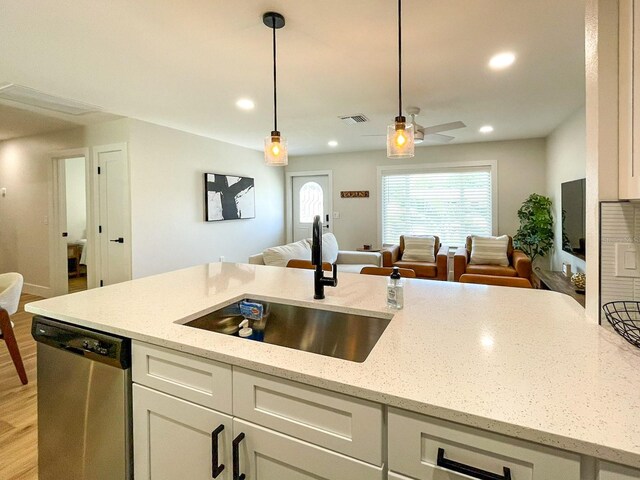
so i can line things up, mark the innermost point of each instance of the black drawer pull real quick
(216, 468)
(236, 457)
(469, 470)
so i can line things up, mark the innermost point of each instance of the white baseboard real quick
(38, 290)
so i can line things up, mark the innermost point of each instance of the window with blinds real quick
(450, 203)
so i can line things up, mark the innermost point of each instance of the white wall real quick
(521, 171)
(566, 161)
(25, 171)
(167, 200)
(76, 198)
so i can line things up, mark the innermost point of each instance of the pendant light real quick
(275, 145)
(400, 141)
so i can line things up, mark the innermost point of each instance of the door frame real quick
(57, 279)
(289, 198)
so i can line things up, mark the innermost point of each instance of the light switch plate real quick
(627, 260)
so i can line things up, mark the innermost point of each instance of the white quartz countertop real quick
(520, 362)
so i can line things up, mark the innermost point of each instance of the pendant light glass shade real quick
(400, 140)
(275, 150)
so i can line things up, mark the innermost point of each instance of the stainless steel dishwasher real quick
(84, 403)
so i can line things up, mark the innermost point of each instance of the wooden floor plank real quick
(18, 407)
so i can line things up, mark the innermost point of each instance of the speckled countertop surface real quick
(519, 362)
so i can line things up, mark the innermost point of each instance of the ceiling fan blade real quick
(443, 127)
(438, 138)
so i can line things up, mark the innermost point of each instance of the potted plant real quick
(535, 235)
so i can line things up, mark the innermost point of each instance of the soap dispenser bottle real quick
(395, 290)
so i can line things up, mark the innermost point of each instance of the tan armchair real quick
(519, 264)
(392, 257)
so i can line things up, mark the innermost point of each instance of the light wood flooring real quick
(77, 284)
(18, 409)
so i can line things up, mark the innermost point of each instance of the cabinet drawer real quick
(198, 380)
(415, 441)
(268, 455)
(332, 420)
(611, 471)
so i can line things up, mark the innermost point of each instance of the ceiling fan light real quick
(400, 140)
(275, 150)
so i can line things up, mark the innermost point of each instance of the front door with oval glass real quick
(311, 197)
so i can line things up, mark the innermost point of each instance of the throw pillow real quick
(419, 249)
(329, 248)
(280, 256)
(489, 250)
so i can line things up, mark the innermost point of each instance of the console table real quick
(557, 282)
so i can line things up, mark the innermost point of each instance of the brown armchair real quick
(519, 264)
(392, 257)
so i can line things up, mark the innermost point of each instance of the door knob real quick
(118, 240)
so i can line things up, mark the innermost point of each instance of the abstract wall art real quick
(229, 197)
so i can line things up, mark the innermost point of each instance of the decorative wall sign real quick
(228, 197)
(355, 194)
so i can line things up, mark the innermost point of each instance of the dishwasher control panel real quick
(102, 347)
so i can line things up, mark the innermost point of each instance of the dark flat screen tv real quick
(574, 217)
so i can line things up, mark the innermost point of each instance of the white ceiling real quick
(184, 64)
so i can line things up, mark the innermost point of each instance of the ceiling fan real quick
(429, 134)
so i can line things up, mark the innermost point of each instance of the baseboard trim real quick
(38, 290)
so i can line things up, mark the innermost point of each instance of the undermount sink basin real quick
(334, 334)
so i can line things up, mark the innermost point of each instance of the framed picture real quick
(228, 197)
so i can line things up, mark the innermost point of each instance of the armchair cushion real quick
(496, 280)
(419, 248)
(491, 270)
(489, 250)
(422, 269)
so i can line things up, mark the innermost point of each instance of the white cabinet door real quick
(175, 439)
(610, 471)
(267, 455)
(629, 100)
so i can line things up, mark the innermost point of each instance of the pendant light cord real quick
(275, 95)
(399, 58)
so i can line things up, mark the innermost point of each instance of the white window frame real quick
(442, 167)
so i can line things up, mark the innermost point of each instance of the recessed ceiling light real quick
(502, 60)
(486, 129)
(245, 104)
(332, 143)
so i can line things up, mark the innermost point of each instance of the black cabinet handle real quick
(236, 457)
(118, 240)
(216, 468)
(469, 470)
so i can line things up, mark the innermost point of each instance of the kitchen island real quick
(521, 364)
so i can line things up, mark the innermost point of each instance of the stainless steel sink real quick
(334, 334)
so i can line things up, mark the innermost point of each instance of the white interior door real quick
(114, 222)
(61, 234)
(311, 196)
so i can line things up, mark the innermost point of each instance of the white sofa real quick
(347, 261)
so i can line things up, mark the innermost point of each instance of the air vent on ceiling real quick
(353, 119)
(35, 98)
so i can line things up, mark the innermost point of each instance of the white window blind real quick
(450, 203)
